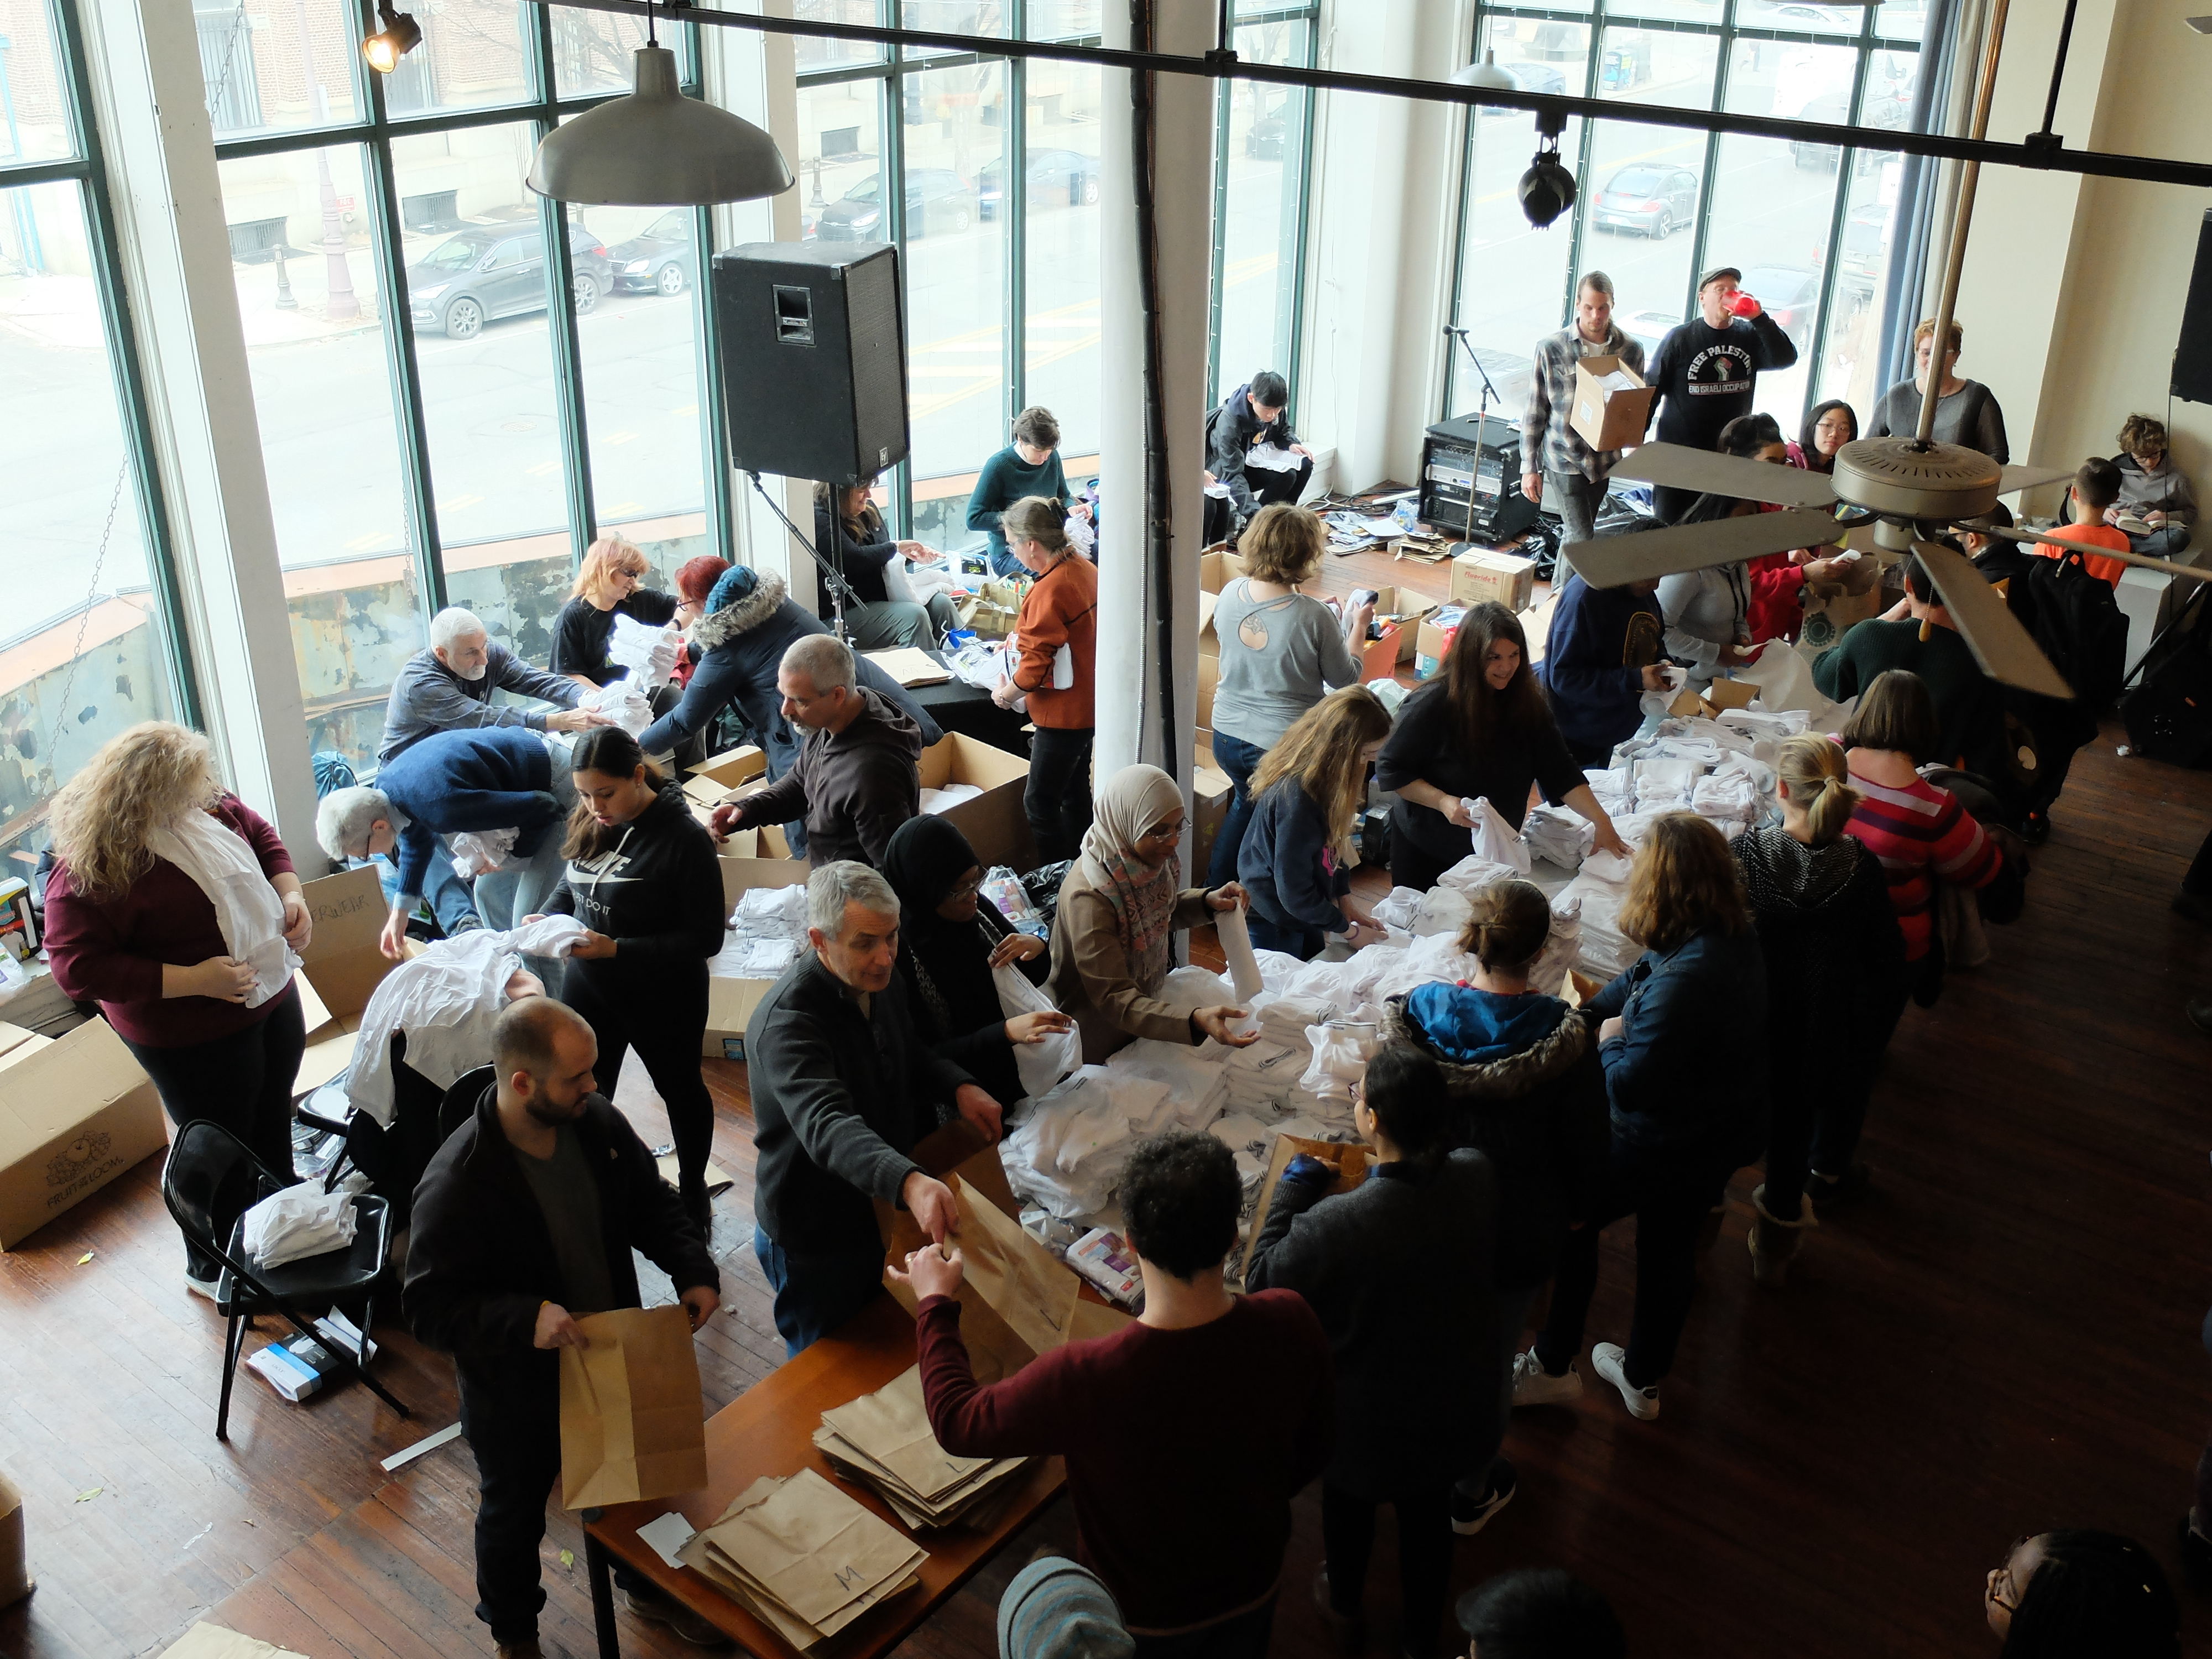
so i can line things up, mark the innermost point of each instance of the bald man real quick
(525, 1219)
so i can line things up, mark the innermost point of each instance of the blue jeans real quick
(816, 1294)
(1304, 943)
(443, 890)
(1239, 760)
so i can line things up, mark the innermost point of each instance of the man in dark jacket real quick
(1706, 372)
(842, 1091)
(750, 621)
(526, 1218)
(856, 778)
(1604, 652)
(1253, 415)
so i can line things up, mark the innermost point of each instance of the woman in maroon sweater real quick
(128, 928)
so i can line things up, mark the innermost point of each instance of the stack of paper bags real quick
(882, 1440)
(803, 1557)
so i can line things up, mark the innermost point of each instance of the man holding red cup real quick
(1706, 371)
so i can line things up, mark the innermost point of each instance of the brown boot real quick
(1774, 1242)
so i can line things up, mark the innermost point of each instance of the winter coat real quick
(1689, 1066)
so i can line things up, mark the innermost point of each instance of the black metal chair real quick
(460, 1104)
(392, 1156)
(209, 1171)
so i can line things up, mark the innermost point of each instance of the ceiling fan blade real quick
(1681, 467)
(2142, 560)
(2005, 651)
(1610, 561)
(2026, 478)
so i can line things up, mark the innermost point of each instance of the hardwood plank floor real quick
(2003, 1338)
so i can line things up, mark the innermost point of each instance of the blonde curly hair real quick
(146, 777)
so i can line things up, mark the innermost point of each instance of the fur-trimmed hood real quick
(720, 626)
(1543, 1062)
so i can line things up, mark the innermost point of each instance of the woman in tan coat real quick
(1121, 901)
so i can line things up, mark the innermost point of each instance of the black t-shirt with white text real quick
(1706, 376)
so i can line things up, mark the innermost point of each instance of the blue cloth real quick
(1055, 1609)
(494, 777)
(1471, 1026)
(816, 1294)
(1285, 864)
(1596, 635)
(736, 583)
(1690, 1064)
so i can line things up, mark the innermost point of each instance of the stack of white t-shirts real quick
(1278, 969)
(1562, 946)
(1284, 1018)
(647, 652)
(1476, 871)
(480, 852)
(1728, 794)
(936, 800)
(1341, 1050)
(772, 912)
(1663, 783)
(1067, 1154)
(1252, 1143)
(1615, 786)
(1558, 836)
(1443, 909)
(1399, 909)
(1766, 724)
(749, 956)
(1603, 949)
(1197, 1085)
(1263, 1079)
(446, 1000)
(299, 1221)
(624, 700)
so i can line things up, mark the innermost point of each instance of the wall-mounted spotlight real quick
(400, 35)
(1547, 189)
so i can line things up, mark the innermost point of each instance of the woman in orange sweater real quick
(1053, 657)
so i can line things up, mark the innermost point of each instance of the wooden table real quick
(769, 1430)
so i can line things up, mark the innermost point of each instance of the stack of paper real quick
(804, 1557)
(882, 1440)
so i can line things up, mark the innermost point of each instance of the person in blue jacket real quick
(750, 619)
(1684, 1048)
(494, 777)
(1603, 651)
(1297, 857)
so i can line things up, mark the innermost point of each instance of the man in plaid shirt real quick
(1554, 456)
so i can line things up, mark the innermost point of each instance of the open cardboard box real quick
(994, 821)
(731, 1002)
(1215, 570)
(1400, 611)
(714, 781)
(339, 969)
(1609, 417)
(76, 1112)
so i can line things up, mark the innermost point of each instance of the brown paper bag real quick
(891, 1425)
(995, 1348)
(815, 1552)
(631, 1421)
(1035, 1294)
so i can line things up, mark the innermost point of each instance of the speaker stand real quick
(833, 578)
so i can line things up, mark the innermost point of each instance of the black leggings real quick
(663, 1016)
(1057, 801)
(243, 1082)
(1424, 1556)
(1816, 1122)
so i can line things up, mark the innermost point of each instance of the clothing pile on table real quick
(1558, 835)
(937, 800)
(1068, 1153)
(302, 1221)
(625, 700)
(766, 933)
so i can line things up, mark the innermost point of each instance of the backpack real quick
(2078, 623)
(2169, 710)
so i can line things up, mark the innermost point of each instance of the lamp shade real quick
(658, 148)
(1486, 74)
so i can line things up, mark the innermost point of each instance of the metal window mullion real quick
(43, 172)
(128, 376)
(1459, 234)
(1299, 242)
(707, 351)
(1846, 166)
(893, 190)
(561, 315)
(1585, 149)
(1717, 100)
(1014, 226)
(1225, 91)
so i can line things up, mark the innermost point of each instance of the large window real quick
(88, 648)
(985, 171)
(459, 384)
(1809, 226)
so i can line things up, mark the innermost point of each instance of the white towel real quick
(247, 909)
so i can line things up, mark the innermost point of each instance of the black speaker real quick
(1459, 454)
(813, 354)
(2192, 354)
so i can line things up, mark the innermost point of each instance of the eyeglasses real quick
(967, 889)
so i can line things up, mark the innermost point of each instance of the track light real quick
(400, 35)
(1547, 189)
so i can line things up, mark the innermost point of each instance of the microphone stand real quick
(832, 578)
(1481, 426)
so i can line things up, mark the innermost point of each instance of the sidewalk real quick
(62, 311)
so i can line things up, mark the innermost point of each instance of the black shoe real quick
(2200, 1015)
(1826, 1191)
(2035, 828)
(1470, 1515)
(2196, 1555)
(2197, 907)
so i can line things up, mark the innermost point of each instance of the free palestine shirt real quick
(1707, 376)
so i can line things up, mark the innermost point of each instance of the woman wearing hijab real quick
(1122, 900)
(950, 942)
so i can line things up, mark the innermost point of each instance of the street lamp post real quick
(339, 304)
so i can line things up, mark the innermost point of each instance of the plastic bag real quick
(480, 852)
(1040, 1065)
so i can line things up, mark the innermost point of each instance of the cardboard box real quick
(713, 780)
(1731, 694)
(1215, 570)
(910, 666)
(1409, 609)
(1609, 417)
(1209, 677)
(1210, 790)
(1481, 575)
(1435, 638)
(75, 1113)
(1378, 658)
(339, 969)
(731, 1002)
(994, 821)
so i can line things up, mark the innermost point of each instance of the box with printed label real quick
(76, 1112)
(1482, 576)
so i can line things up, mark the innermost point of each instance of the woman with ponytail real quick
(641, 876)
(1833, 953)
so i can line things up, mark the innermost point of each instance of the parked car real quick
(1058, 177)
(1866, 249)
(937, 199)
(489, 272)
(1888, 108)
(1788, 294)
(1648, 198)
(1529, 77)
(1264, 140)
(1797, 14)
(660, 257)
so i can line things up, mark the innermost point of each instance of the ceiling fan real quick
(1908, 489)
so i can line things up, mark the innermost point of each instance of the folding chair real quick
(208, 1167)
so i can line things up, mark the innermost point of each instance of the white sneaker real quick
(1533, 1386)
(1605, 1360)
(206, 1287)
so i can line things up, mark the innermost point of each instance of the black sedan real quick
(658, 258)
(489, 272)
(1058, 177)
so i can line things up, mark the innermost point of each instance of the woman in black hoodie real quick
(642, 878)
(1834, 957)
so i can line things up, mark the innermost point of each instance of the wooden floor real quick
(2003, 1339)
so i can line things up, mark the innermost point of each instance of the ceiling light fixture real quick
(400, 35)
(1486, 74)
(656, 148)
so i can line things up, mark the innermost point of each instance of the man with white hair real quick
(857, 777)
(842, 1090)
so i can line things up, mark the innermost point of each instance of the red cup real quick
(1743, 305)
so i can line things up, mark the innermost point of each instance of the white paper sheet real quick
(1237, 950)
